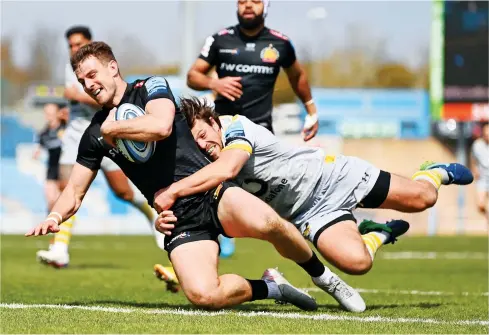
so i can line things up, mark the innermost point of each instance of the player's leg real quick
(421, 192)
(243, 215)
(195, 257)
(57, 254)
(482, 190)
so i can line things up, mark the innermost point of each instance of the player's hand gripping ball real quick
(136, 152)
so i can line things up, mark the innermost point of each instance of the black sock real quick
(259, 289)
(313, 266)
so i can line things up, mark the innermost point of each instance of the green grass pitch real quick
(437, 285)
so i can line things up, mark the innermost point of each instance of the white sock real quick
(273, 290)
(59, 246)
(325, 278)
(138, 200)
(444, 175)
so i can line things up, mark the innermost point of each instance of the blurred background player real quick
(82, 108)
(50, 140)
(480, 168)
(247, 58)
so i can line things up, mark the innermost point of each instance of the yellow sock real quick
(373, 242)
(432, 176)
(63, 237)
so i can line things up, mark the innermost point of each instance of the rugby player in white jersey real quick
(314, 191)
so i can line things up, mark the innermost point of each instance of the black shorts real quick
(199, 219)
(53, 172)
(379, 192)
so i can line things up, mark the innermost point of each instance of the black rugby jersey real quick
(50, 139)
(257, 60)
(175, 157)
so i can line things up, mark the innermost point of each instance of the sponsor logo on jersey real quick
(250, 47)
(278, 34)
(244, 68)
(269, 54)
(234, 51)
(225, 32)
(155, 85)
(276, 190)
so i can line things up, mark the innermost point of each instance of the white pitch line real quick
(406, 292)
(432, 255)
(323, 317)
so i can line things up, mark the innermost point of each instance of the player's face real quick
(208, 137)
(75, 42)
(250, 13)
(97, 79)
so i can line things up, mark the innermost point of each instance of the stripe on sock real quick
(372, 242)
(433, 177)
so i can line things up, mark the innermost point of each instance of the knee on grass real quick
(356, 264)
(206, 298)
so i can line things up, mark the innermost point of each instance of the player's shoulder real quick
(226, 32)
(277, 35)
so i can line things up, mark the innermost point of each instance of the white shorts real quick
(70, 142)
(343, 186)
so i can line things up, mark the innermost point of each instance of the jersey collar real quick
(250, 38)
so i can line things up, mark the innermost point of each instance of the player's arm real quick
(90, 154)
(298, 81)
(197, 78)
(155, 125)
(226, 167)
(68, 202)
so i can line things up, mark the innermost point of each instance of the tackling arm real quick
(226, 167)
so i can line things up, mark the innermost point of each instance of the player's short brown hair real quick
(100, 50)
(195, 109)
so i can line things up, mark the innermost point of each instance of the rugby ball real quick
(135, 152)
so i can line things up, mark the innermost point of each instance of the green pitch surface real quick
(419, 285)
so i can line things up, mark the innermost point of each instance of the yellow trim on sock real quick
(61, 239)
(369, 244)
(66, 233)
(433, 177)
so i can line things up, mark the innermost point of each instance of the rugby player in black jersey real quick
(50, 139)
(248, 58)
(192, 247)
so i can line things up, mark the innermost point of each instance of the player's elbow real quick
(191, 79)
(163, 131)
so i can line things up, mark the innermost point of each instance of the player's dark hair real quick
(85, 31)
(195, 109)
(99, 50)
